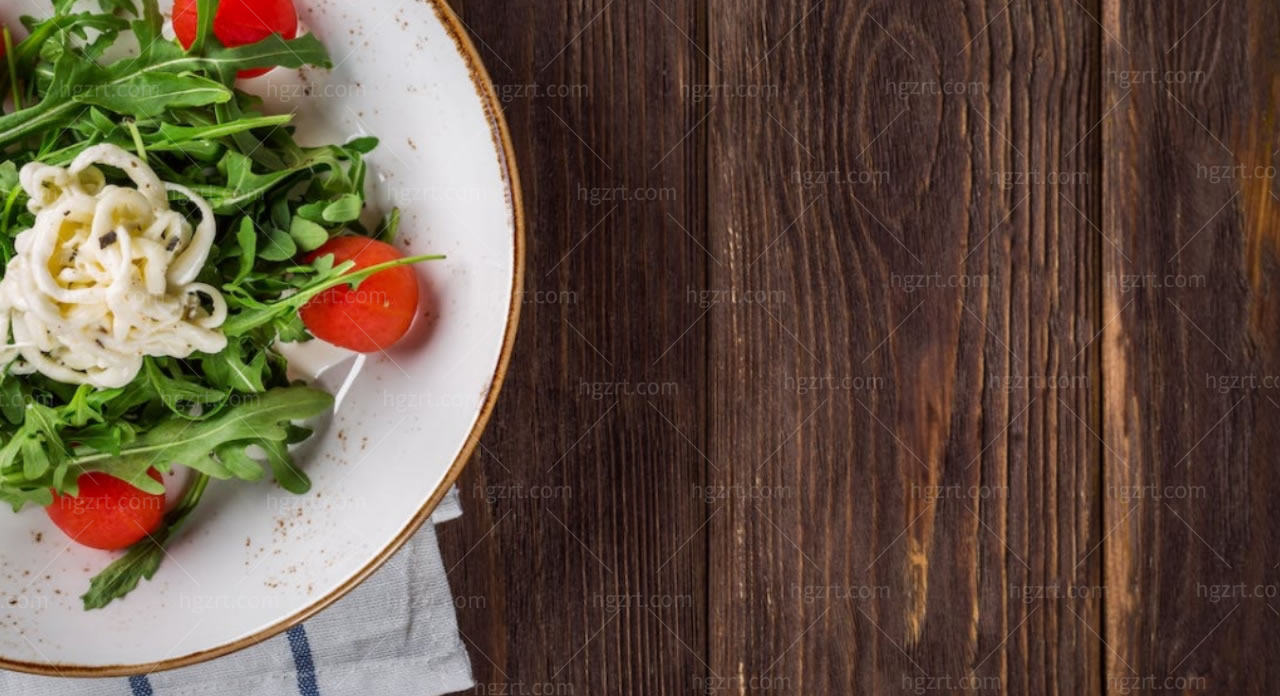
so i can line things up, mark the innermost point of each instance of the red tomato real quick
(239, 23)
(109, 513)
(373, 316)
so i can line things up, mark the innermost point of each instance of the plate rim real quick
(483, 84)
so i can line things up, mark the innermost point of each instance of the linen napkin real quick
(396, 633)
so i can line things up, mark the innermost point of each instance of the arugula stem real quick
(137, 140)
(10, 201)
(356, 277)
(141, 560)
(194, 493)
(13, 70)
(242, 322)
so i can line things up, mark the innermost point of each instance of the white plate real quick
(255, 560)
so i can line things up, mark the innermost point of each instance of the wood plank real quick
(903, 200)
(1194, 530)
(579, 563)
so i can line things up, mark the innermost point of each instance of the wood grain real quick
(884, 347)
(937, 486)
(1191, 416)
(578, 564)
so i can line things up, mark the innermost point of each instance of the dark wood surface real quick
(1192, 403)
(884, 347)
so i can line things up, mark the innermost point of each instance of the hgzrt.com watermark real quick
(599, 195)
(1226, 384)
(811, 384)
(912, 282)
(843, 593)
(1029, 594)
(1216, 174)
(1150, 683)
(734, 296)
(908, 89)
(699, 93)
(1129, 282)
(923, 684)
(508, 688)
(519, 491)
(958, 492)
(508, 93)
(810, 178)
(1215, 593)
(1011, 179)
(1154, 492)
(742, 684)
(598, 391)
(742, 492)
(1127, 79)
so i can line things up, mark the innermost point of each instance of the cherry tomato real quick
(373, 316)
(109, 513)
(239, 23)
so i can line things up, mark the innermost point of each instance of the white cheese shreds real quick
(106, 275)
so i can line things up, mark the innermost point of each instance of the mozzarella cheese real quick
(107, 274)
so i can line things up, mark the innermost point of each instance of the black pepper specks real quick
(107, 239)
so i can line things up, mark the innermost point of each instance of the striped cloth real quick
(396, 633)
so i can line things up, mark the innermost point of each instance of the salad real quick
(162, 237)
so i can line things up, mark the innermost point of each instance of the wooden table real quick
(876, 347)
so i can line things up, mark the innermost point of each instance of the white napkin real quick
(397, 633)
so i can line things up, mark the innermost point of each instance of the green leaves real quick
(228, 415)
(307, 234)
(345, 209)
(258, 419)
(230, 369)
(253, 317)
(180, 394)
(247, 240)
(272, 51)
(161, 79)
(121, 577)
(142, 560)
(37, 445)
(144, 95)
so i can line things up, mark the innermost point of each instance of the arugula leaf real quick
(253, 418)
(174, 392)
(289, 476)
(389, 227)
(227, 415)
(12, 403)
(85, 82)
(308, 234)
(247, 239)
(251, 318)
(37, 443)
(278, 246)
(118, 6)
(142, 560)
(206, 10)
(345, 209)
(229, 369)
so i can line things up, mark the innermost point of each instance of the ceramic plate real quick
(255, 560)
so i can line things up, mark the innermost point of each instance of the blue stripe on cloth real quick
(302, 660)
(141, 686)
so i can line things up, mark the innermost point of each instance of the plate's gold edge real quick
(489, 98)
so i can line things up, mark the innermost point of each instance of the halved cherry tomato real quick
(109, 513)
(239, 23)
(373, 316)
